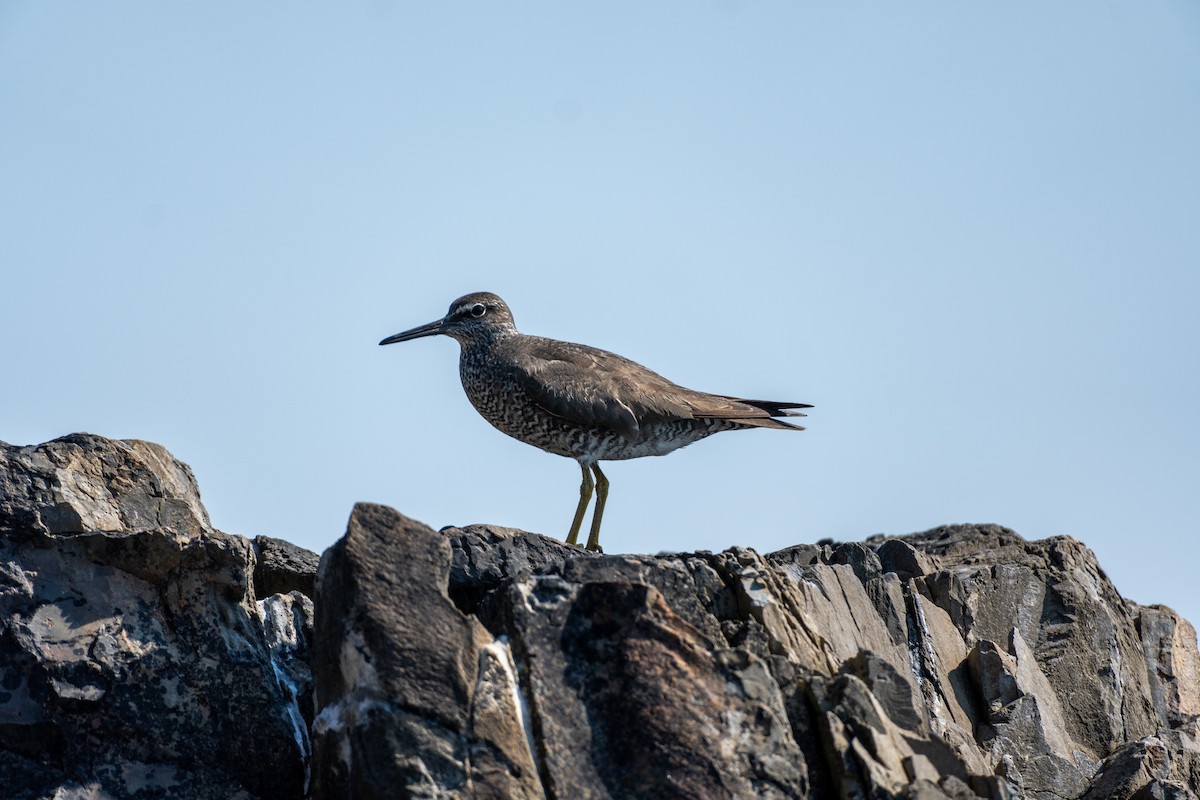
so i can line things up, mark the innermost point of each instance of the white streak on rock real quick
(503, 652)
(280, 634)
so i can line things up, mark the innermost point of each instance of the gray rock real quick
(1168, 641)
(1139, 769)
(282, 567)
(144, 654)
(133, 661)
(88, 484)
(287, 621)
(414, 697)
(900, 557)
(1025, 728)
(963, 662)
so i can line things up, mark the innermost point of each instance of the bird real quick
(582, 402)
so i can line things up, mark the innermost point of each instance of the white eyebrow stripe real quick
(468, 308)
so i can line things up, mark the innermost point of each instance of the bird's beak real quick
(429, 329)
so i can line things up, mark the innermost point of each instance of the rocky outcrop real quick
(144, 654)
(963, 662)
(135, 657)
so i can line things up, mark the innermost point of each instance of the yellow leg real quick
(585, 494)
(601, 496)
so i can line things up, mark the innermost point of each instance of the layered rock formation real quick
(144, 654)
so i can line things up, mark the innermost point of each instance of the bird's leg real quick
(585, 494)
(601, 496)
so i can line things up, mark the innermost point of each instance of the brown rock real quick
(413, 696)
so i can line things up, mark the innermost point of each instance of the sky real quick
(968, 233)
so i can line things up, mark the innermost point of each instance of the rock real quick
(598, 655)
(133, 660)
(414, 697)
(287, 621)
(282, 567)
(963, 662)
(1060, 601)
(88, 484)
(1140, 769)
(901, 558)
(144, 654)
(1168, 641)
(1025, 729)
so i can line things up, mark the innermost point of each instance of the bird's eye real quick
(478, 310)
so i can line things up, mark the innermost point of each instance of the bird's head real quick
(475, 317)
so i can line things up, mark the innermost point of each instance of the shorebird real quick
(582, 402)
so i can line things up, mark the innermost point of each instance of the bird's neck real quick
(483, 342)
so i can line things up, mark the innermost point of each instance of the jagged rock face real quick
(144, 654)
(134, 661)
(964, 662)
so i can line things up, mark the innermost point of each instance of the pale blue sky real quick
(969, 233)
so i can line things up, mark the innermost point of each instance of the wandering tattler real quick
(579, 401)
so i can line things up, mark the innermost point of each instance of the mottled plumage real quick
(582, 402)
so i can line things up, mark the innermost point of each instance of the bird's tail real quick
(763, 413)
(775, 408)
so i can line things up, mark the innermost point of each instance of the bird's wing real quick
(597, 388)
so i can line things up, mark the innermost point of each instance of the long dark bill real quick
(429, 329)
